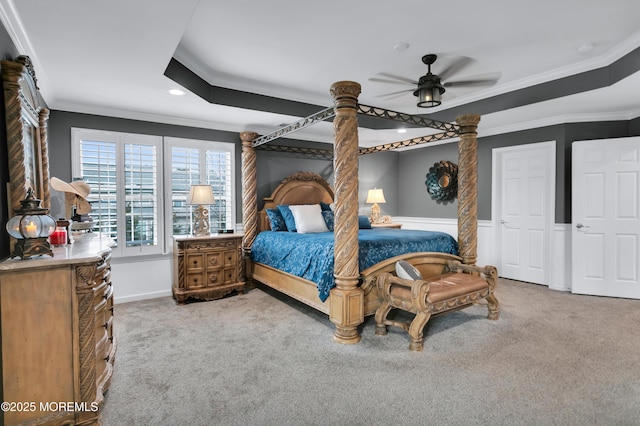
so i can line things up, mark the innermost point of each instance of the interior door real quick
(525, 210)
(605, 217)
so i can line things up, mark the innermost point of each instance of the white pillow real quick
(308, 218)
(407, 271)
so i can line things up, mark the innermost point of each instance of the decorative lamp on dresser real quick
(56, 336)
(207, 267)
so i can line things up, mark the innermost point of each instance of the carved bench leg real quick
(381, 315)
(416, 330)
(494, 307)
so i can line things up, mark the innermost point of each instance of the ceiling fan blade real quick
(400, 92)
(475, 81)
(396, 78)
(384, 80)
(454, 67)
(397, 95)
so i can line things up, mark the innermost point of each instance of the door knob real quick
(580, 226)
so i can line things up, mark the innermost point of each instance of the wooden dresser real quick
(57, 340)
(208, 267)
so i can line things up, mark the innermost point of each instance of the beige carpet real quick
(553, 358)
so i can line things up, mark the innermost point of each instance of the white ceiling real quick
(109, 57)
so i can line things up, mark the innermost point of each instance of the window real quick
(123, 171)
(127, 175)
(193, 162)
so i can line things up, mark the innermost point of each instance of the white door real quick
(525, 208)
(605, 217)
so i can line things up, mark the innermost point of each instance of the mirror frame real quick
(27, 147)
(443, 171)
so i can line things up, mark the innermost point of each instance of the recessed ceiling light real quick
(402, 130)
(400, 47)
(586, 48)
(177, 92)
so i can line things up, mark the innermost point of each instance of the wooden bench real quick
(457, 287)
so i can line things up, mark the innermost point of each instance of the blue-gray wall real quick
(61, 122)
(378, 170)
(414, 164)
(375, 170)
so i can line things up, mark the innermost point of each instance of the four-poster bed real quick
(355, 293)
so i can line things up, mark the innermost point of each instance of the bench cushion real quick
(452, 285)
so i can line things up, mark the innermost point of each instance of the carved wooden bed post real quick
(249, 199)
(346, 310)
(468, 188)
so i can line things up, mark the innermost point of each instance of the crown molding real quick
(15, 28)
(607, 59)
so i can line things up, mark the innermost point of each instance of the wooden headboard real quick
(298, 188)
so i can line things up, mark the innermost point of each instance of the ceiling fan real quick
(430, 88)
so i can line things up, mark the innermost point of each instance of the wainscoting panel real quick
(150, 278)
(560, 274)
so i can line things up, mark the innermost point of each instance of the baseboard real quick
(141, 296)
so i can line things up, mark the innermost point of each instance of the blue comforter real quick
(310, 256)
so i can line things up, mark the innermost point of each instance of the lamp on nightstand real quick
(375, 196)
(201, 195)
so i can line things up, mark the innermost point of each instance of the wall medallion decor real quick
(442, 182)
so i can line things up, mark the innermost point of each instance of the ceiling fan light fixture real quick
(429, 95)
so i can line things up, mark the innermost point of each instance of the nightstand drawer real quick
(195, 262)
(214, 278)
(230, 258)
(214, 260)
(230, 275)
(195, 281)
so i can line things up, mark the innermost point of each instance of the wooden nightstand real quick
(208, 267)
(386, 225)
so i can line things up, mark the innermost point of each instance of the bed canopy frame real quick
(347, 299)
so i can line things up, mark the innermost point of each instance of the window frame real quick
(203, 147)
(163, 145)
(121, 139)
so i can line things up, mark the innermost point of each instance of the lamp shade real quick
(375, 196)
(200, 194)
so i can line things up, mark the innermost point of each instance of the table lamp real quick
(201, 195)
(375, 196)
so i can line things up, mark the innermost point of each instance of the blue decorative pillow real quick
(364, 222)
(276, 220)
(325, 207)
(328, 218)
(289, 220)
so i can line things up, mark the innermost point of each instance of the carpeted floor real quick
(260, 358)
